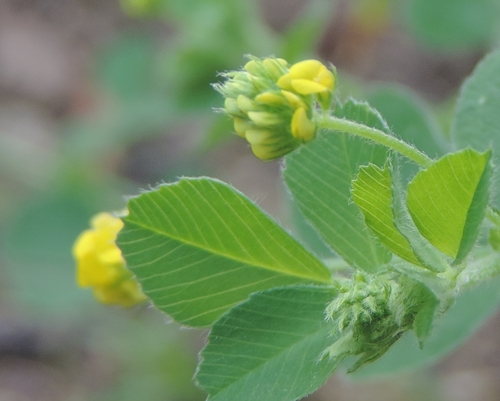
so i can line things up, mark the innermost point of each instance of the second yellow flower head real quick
(100, 264)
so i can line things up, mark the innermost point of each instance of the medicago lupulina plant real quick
(410, 232)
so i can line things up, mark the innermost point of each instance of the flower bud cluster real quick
(100, 264)
(371, 312)
(273, 105)
(359, 301)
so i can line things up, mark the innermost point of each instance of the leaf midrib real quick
(218, 253)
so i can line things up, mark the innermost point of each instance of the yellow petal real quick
(106, 221)
(241, 126)
(111, 256)
(302, 127)
(307, 69)
(326, 78)
(270, 98)
(127, 293)
(285, 82)
(92, 272)
(257, 136)
(307, 87)
(293, 99)
(83, 244)
(264, 118)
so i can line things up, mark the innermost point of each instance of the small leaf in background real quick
(452, 25)
(221, 130)
(269, 348)
(454, 327)
(37, 251)
(198, 247)
(372, 193)
(305, 31)
(448, 200)
(135, 120)
(319, 176)
(476, 121)
(126, 66)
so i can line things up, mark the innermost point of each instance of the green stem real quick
(340, 124)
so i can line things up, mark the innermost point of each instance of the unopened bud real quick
(241, 126)
(245, 104)
(264, 118)
(271, 99)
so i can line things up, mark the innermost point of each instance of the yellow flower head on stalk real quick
(100, 264)
(274, 105)
(310, 77)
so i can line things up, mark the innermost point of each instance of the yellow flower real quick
(100, 264)
(270, 144)
(302, 127)
(241, 126)
(275, 107)
(308, 77)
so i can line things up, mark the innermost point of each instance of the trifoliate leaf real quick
(198, 247)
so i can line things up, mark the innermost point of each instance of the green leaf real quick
(448, 201)
(198, 247)
(269, 348)
(425, 252)
(319, 176)
(302, 35)
(470, 310)
(372, 193)
(476, 121)
(452, 24)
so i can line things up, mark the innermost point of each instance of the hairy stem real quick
(340, 124)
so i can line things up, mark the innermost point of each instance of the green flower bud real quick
(231, 106)
(271, 99)
(264, 118)
(245, 104)
(241, 126)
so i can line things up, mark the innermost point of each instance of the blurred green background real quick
(99, 99)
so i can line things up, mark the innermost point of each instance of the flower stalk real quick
(375, 135)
